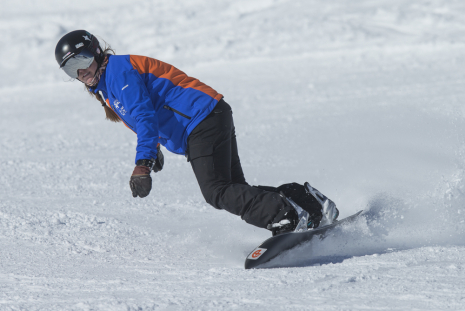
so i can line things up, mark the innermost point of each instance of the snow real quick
(363, 99)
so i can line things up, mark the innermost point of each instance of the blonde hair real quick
(110, 114)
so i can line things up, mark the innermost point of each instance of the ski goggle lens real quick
(81, 61)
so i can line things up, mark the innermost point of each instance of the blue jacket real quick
(160, 103)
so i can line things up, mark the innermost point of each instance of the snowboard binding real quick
(311, 209)
(328, 208)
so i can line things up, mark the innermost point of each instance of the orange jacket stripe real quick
(163, 70)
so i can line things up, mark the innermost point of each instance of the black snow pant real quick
(212, 152)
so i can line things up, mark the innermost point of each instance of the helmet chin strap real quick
(101, 68)
(92, 82)
(96, 76)
(89, 85)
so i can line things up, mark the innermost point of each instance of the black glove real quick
(141, 182)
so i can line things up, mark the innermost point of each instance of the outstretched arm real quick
(136, 101)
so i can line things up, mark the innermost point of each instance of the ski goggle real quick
(82, 60)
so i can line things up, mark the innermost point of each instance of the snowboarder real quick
(163, 105)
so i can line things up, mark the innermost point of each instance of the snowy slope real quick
(363, 99)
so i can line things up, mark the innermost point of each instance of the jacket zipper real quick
(178, 112)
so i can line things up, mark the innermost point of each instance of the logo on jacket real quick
(120, 107)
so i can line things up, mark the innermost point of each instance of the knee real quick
(212, 194)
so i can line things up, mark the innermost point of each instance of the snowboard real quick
(274, 246)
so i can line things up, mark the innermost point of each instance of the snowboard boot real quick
(311, 208)
(283, 223)
(320, 209)
(291, 219)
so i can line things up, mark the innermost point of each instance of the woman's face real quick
(87, 75)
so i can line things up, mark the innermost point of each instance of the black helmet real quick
(77, 50)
